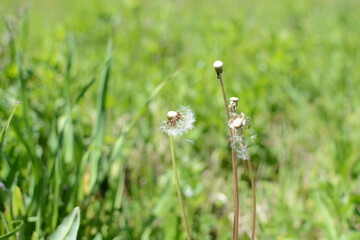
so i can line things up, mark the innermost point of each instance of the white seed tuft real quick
(182, 125)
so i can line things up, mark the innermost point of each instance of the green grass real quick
(95, 79)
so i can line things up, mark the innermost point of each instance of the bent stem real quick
(234, 165)
(178, 190)
(252, 181)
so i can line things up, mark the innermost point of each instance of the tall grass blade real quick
(26, 117)
(6, 126)
(7, 235)
(98, 130)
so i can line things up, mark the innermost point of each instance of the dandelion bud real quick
(218, 67)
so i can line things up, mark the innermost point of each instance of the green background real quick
(95, 80)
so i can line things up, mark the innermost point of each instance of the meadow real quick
(85, 86)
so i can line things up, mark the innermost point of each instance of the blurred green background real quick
(95, 80)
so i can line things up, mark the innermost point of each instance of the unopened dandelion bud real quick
(218, 67)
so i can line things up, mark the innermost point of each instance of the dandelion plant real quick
(240, 126)
(178, 123)
(239, 149)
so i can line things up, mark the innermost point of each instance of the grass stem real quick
(177, 184)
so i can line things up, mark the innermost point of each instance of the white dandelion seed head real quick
(179, 122)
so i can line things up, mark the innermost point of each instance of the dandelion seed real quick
(179, 122)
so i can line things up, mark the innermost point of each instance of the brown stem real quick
(252, 181)
(234, 164)
(236, 190)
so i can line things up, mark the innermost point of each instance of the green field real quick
(85, 86)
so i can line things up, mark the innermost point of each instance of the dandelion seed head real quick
(218, 68)
(179, 122)
(218, 64)
(242, 133)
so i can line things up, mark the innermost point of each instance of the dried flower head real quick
(241, 126)
(179, 122)
(238, 121)
(233, 104)
(218, 67)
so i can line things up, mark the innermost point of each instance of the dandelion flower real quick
(179, 122)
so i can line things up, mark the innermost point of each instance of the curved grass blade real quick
(6, 126)
(68, 228)
(15, 230)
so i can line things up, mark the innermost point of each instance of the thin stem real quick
(234, 165)
(224, 96)
(178, 190)
(252, 181)
(236, 189)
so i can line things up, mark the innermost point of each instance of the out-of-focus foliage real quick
(94, 81)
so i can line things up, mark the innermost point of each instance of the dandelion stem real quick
(252, 181)
(224, 96)
(234, 165)
(178, 190)
(236, 189)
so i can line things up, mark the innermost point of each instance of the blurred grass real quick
(294, 66)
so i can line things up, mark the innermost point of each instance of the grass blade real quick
(68, 228)
(98, 130)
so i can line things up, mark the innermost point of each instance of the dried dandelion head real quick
(241, 127)
(218, 65)
(179, 122)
